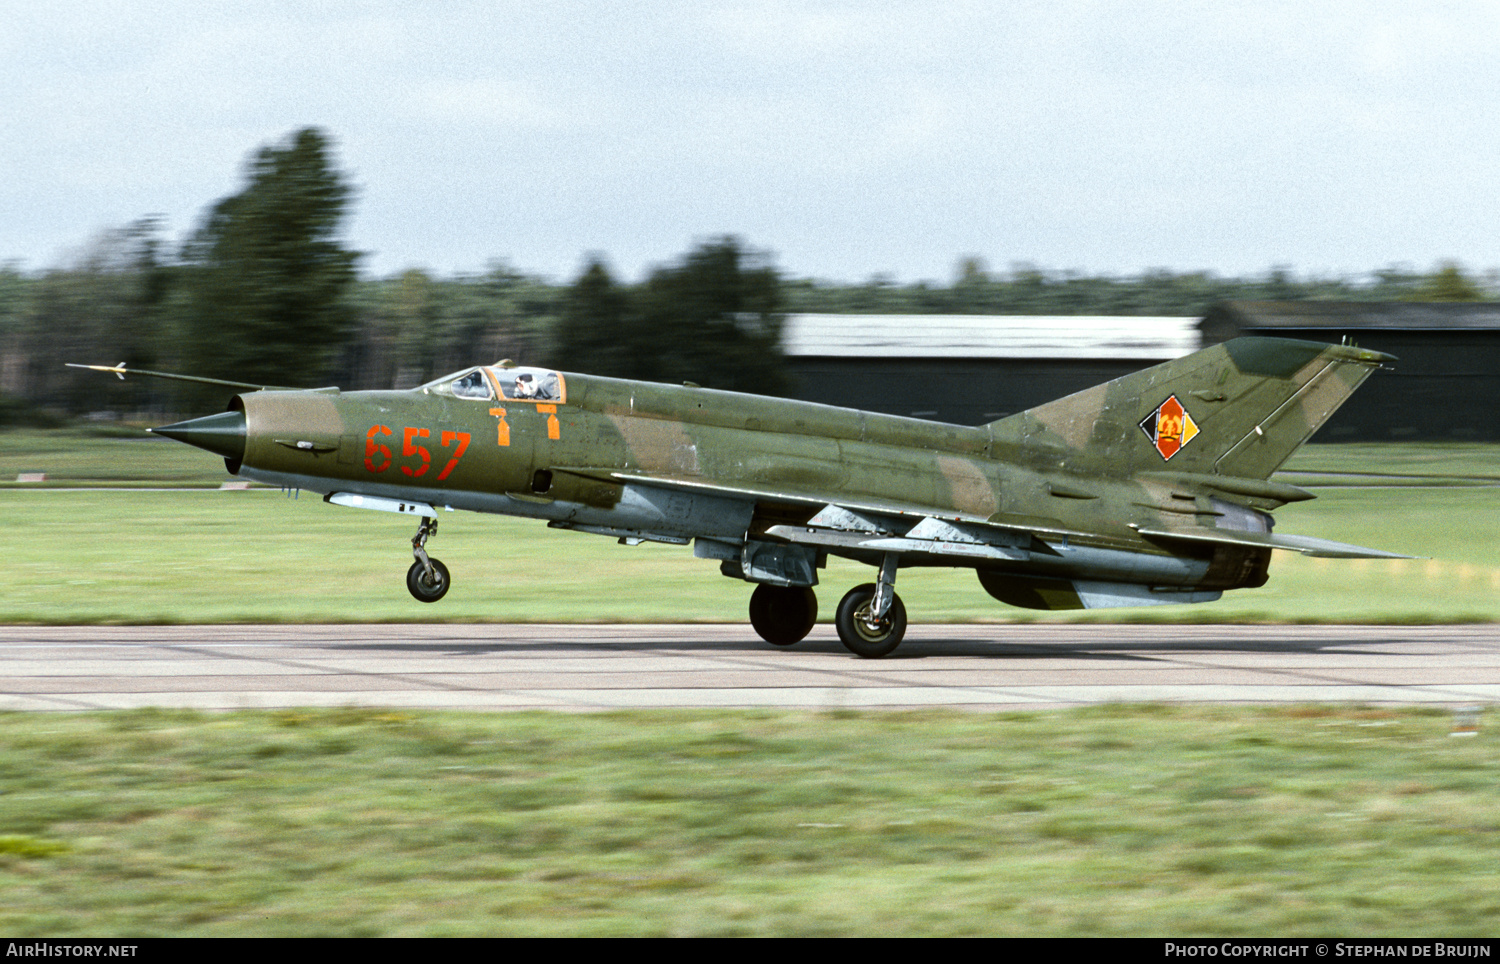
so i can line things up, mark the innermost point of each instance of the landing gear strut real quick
(783, 615)
(871, 619)
(427, 579)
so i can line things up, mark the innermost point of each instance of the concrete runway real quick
(513, 667)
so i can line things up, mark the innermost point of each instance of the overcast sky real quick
(846, 138)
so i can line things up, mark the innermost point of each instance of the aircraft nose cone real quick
(222, 434)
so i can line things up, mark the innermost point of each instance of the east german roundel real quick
(1169, 428)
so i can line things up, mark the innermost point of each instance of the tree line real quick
(266, 291)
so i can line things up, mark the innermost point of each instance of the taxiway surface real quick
(593, 667)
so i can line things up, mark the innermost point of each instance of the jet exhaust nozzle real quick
(222, 434)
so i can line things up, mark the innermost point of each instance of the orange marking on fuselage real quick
(553, 427)
(503, 432)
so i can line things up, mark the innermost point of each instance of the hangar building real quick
(1443, 386)
(970, 369)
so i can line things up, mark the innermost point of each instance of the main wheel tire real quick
(783, 615)
(421, 589)
(855, 632)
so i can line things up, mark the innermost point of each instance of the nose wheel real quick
(427, 579)
(424, 587)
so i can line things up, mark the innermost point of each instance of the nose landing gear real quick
(427, 579)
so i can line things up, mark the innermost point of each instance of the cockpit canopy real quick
(472, 385)
(483, 382)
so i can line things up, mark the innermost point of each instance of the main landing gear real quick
(861, 630)
(871, 619)
(783, 615)
(427, 579)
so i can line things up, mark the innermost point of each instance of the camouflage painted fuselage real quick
(1151, 488)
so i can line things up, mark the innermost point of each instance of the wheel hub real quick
(873, 628)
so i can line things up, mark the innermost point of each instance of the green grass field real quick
(1142, 820)
(105, 555)
(75, 458)
(1438, 463)
(1139, 820)
(257, 556)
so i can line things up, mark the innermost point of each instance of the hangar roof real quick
(1356, 314)
(990, 336)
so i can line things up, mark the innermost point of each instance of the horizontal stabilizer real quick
(1278, 492)
(1307, 545)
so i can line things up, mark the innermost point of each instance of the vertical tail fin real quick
(1237, 409)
